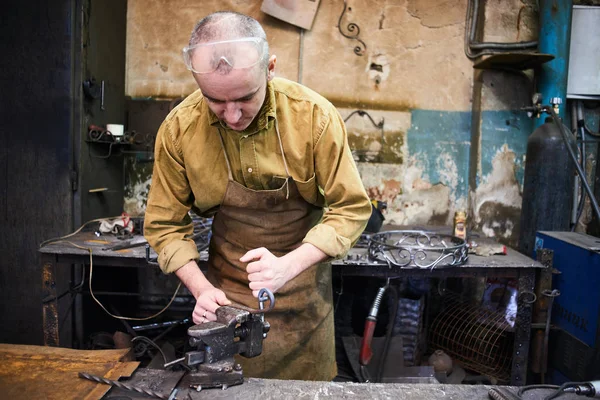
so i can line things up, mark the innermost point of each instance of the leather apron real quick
(300, 344)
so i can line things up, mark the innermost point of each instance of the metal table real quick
(511, 265)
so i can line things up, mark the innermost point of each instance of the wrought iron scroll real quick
(362, 113)
(352, 27)
(418, 249)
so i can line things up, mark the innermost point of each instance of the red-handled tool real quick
(366, 353)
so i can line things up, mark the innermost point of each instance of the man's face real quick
(236, 97)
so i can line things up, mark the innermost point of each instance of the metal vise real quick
(236, 331)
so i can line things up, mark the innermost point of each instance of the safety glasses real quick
(205, 58)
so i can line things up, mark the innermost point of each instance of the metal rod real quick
(122, 385)
(580, 171)
(102, 97)
(300, 55)
(160, 325)
(176, 361)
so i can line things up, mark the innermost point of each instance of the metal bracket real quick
(358, 50)
(363, 113)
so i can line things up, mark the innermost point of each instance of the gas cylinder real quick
(547, 185)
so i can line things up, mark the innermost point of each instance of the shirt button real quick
(249, 169)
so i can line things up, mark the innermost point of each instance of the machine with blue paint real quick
(574, 350)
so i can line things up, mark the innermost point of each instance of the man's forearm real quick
(304, 257)
(191, 276)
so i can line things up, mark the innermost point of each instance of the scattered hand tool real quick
(237, 330)
(122, 385)
(125, 245)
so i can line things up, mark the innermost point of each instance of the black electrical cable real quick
(486, 48)
(565, 136)
(150, 342)
(388, 335)
(595, 134)
(524, 389)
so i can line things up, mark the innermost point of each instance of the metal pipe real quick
(576, 187)
(300, 55)
(580, 127)
(586, 185)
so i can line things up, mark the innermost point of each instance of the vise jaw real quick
(236, 331)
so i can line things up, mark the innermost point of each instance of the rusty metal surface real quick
(49, 305)
(261, 389)
(39, 372)
(540, 309)
(522, 327)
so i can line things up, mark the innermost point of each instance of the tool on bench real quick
(125, 245)
(238, 330)
(587, 389)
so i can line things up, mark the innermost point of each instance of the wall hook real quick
(362, 113)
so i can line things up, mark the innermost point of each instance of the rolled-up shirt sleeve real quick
(348, 206)
(167, 225)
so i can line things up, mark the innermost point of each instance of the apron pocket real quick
(310, 191)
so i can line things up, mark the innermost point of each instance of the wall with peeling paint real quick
(443, 136)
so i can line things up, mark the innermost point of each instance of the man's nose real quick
(233, 113)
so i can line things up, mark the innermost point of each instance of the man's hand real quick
(267, 271)
(208, 298)
(207, 303)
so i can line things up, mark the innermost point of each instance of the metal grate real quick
(479, 338)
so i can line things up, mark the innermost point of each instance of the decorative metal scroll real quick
(418, 249)
(352, 27)
(362, 113)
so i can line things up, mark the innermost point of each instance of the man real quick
(267, 155)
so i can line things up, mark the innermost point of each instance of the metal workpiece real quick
(500, 393)
(353, 32)
(122, 385)
(418, 249)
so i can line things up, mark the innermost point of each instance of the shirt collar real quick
(267, 112)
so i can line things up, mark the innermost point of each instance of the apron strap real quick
(287, 186)
(281, 148)
(225, 153)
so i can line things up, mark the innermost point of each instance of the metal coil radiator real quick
(478, 338)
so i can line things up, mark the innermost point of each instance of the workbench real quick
(39, 372)
(510, 265)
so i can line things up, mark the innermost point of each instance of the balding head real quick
(226, 25)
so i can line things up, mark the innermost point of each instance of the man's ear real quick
(271, 67)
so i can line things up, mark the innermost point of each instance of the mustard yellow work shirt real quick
(190, 171)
